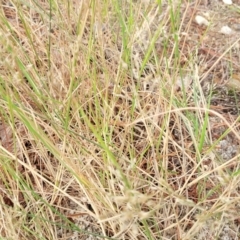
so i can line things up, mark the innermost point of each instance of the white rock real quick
(201, 20)
(228, 2)
(226, 30)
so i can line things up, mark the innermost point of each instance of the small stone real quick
(201, 20)
(228, 2)
(226, 30)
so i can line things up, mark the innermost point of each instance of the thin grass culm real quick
(119, 120)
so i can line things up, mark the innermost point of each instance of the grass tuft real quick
(107, 124)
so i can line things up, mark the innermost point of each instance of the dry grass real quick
(106, 130)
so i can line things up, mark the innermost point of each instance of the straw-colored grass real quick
(106, 131)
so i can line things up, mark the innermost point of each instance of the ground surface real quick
(179, 188)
